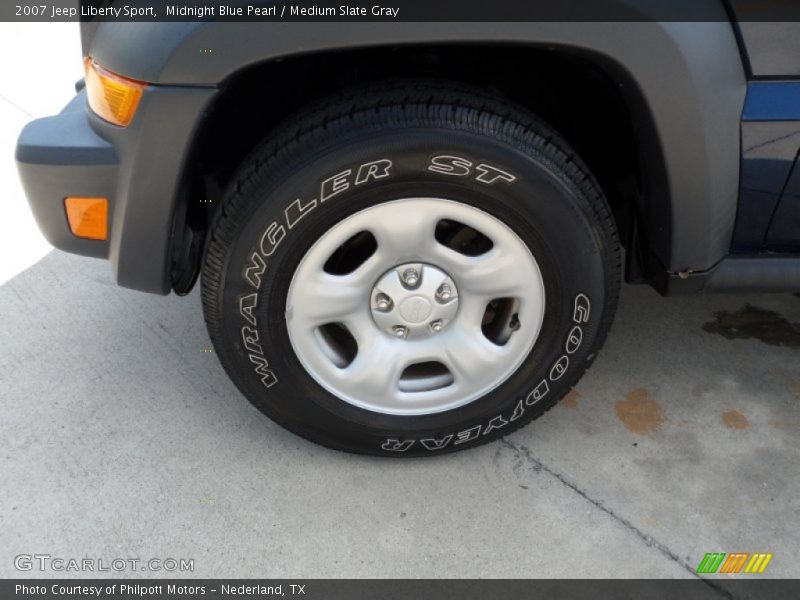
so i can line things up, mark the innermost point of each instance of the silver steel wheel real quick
(415, 306)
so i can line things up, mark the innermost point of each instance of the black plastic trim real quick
(62, 156)
(761, 274)
(764, 274)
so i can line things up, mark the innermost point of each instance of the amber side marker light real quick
(113, 97)
(87, 217)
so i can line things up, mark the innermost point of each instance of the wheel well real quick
(586, 98)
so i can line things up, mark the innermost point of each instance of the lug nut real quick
(444, 292)
(400, 331)
(436, 326)
(383, 303)
(410, 277)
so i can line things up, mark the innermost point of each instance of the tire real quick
(404, 172)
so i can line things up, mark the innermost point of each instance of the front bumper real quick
(62, 156)
(140, 169)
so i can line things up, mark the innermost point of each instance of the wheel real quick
(409, 270)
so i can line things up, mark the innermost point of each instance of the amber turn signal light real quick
(87, 217)
(113, 97)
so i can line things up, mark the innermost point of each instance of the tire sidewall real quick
(289, 213)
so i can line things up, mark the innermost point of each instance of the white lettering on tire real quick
(582, 309)
(458, 166)
(333, 186)
(518, 411)
(377, 169)
(559, 368)
(271, 239)
(497, 422)
(394, 445)
(297, 210)
(450, 165)
(574, 340)
(434, 444)
(263, 371)
(537, 393)
(488, 174)
(467, 435)
(246, 306)
(254, 271)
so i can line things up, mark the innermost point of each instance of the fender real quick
(686, 82)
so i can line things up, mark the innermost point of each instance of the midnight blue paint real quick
(784, 231)
(772, 101)
(769, 210)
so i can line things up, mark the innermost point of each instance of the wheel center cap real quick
(415, 309)
(414, 300)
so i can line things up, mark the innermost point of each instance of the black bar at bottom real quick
(397, 589)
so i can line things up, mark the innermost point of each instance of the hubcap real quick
(408, 300)
(415, 306)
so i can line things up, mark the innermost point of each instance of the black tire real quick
(555, 206)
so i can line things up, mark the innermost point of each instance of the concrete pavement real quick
(124, 437)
